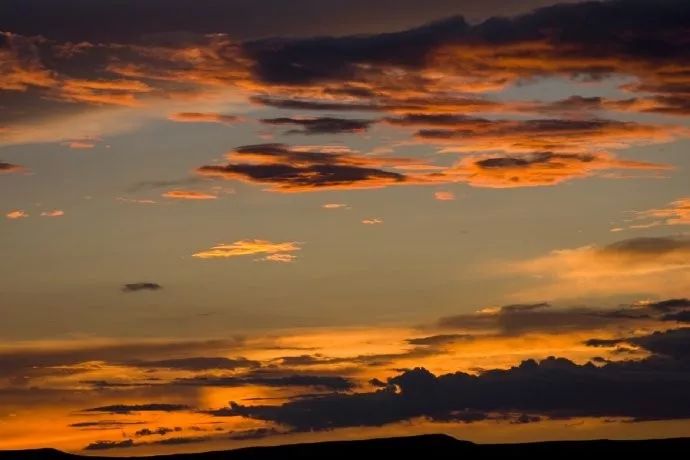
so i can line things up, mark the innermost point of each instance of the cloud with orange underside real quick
(540, 169)
(272, 252)
(189, 195)
(298, 169)
(675, 213)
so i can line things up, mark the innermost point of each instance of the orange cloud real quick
(653, 266)
(675, 213)
(275, 252)
(444, 196)
(539, 169)
(53, 213)
(199, 117)
(17, 214)
(334, 206)
(189, 195)
(373, 221)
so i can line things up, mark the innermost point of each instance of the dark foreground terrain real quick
(426, 447)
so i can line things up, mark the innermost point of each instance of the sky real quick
(265, 222)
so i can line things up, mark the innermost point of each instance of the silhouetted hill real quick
(425, 446)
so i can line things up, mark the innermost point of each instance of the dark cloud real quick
(10, 168)
(104, 424)
(160, 431)
(652, 388)
(197, 363)
(322, 125)
(327, 382)
(441, 339)
(130, 408)
(126, 20)
(670, 304)
(541, 317)
(290, 170)
(105, 445)
(136, 287)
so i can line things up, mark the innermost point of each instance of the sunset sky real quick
(248, 222)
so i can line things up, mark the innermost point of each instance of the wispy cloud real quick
(189, 195)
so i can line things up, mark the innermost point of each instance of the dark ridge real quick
(428, 446)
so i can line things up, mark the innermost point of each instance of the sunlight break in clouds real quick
(275, 252)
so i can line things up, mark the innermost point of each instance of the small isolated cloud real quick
(9, 168)
(203, 117)
(444, 196)
(189, 195)
(273, 252)
(123, 199)
(81, 144)
(373, 221)
(334, 206)
(17, 214)
(652, 265)
(136, 287)
(53, 213)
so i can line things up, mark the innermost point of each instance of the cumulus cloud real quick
(251, 247)
(556, 387)
(189, 195)
(143, 286)
(203, 117)
(650, 265)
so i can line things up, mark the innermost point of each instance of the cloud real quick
(650, 265)
(17, 214)
(323, 382)
(373, 221)
(9, 168)
(251, 247)
(132, 408)
(334, 206)
(200, 117)
(519, 319)
(322, 125)
(675, 213)
(653, 388)
(287, 169)
(104, 445)
(189, 195)
(160, 431)
(53, 213)
(444, 195)
(136, 287)
(198, 363)
(441, 339)
(81, 144)
(540, 169)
